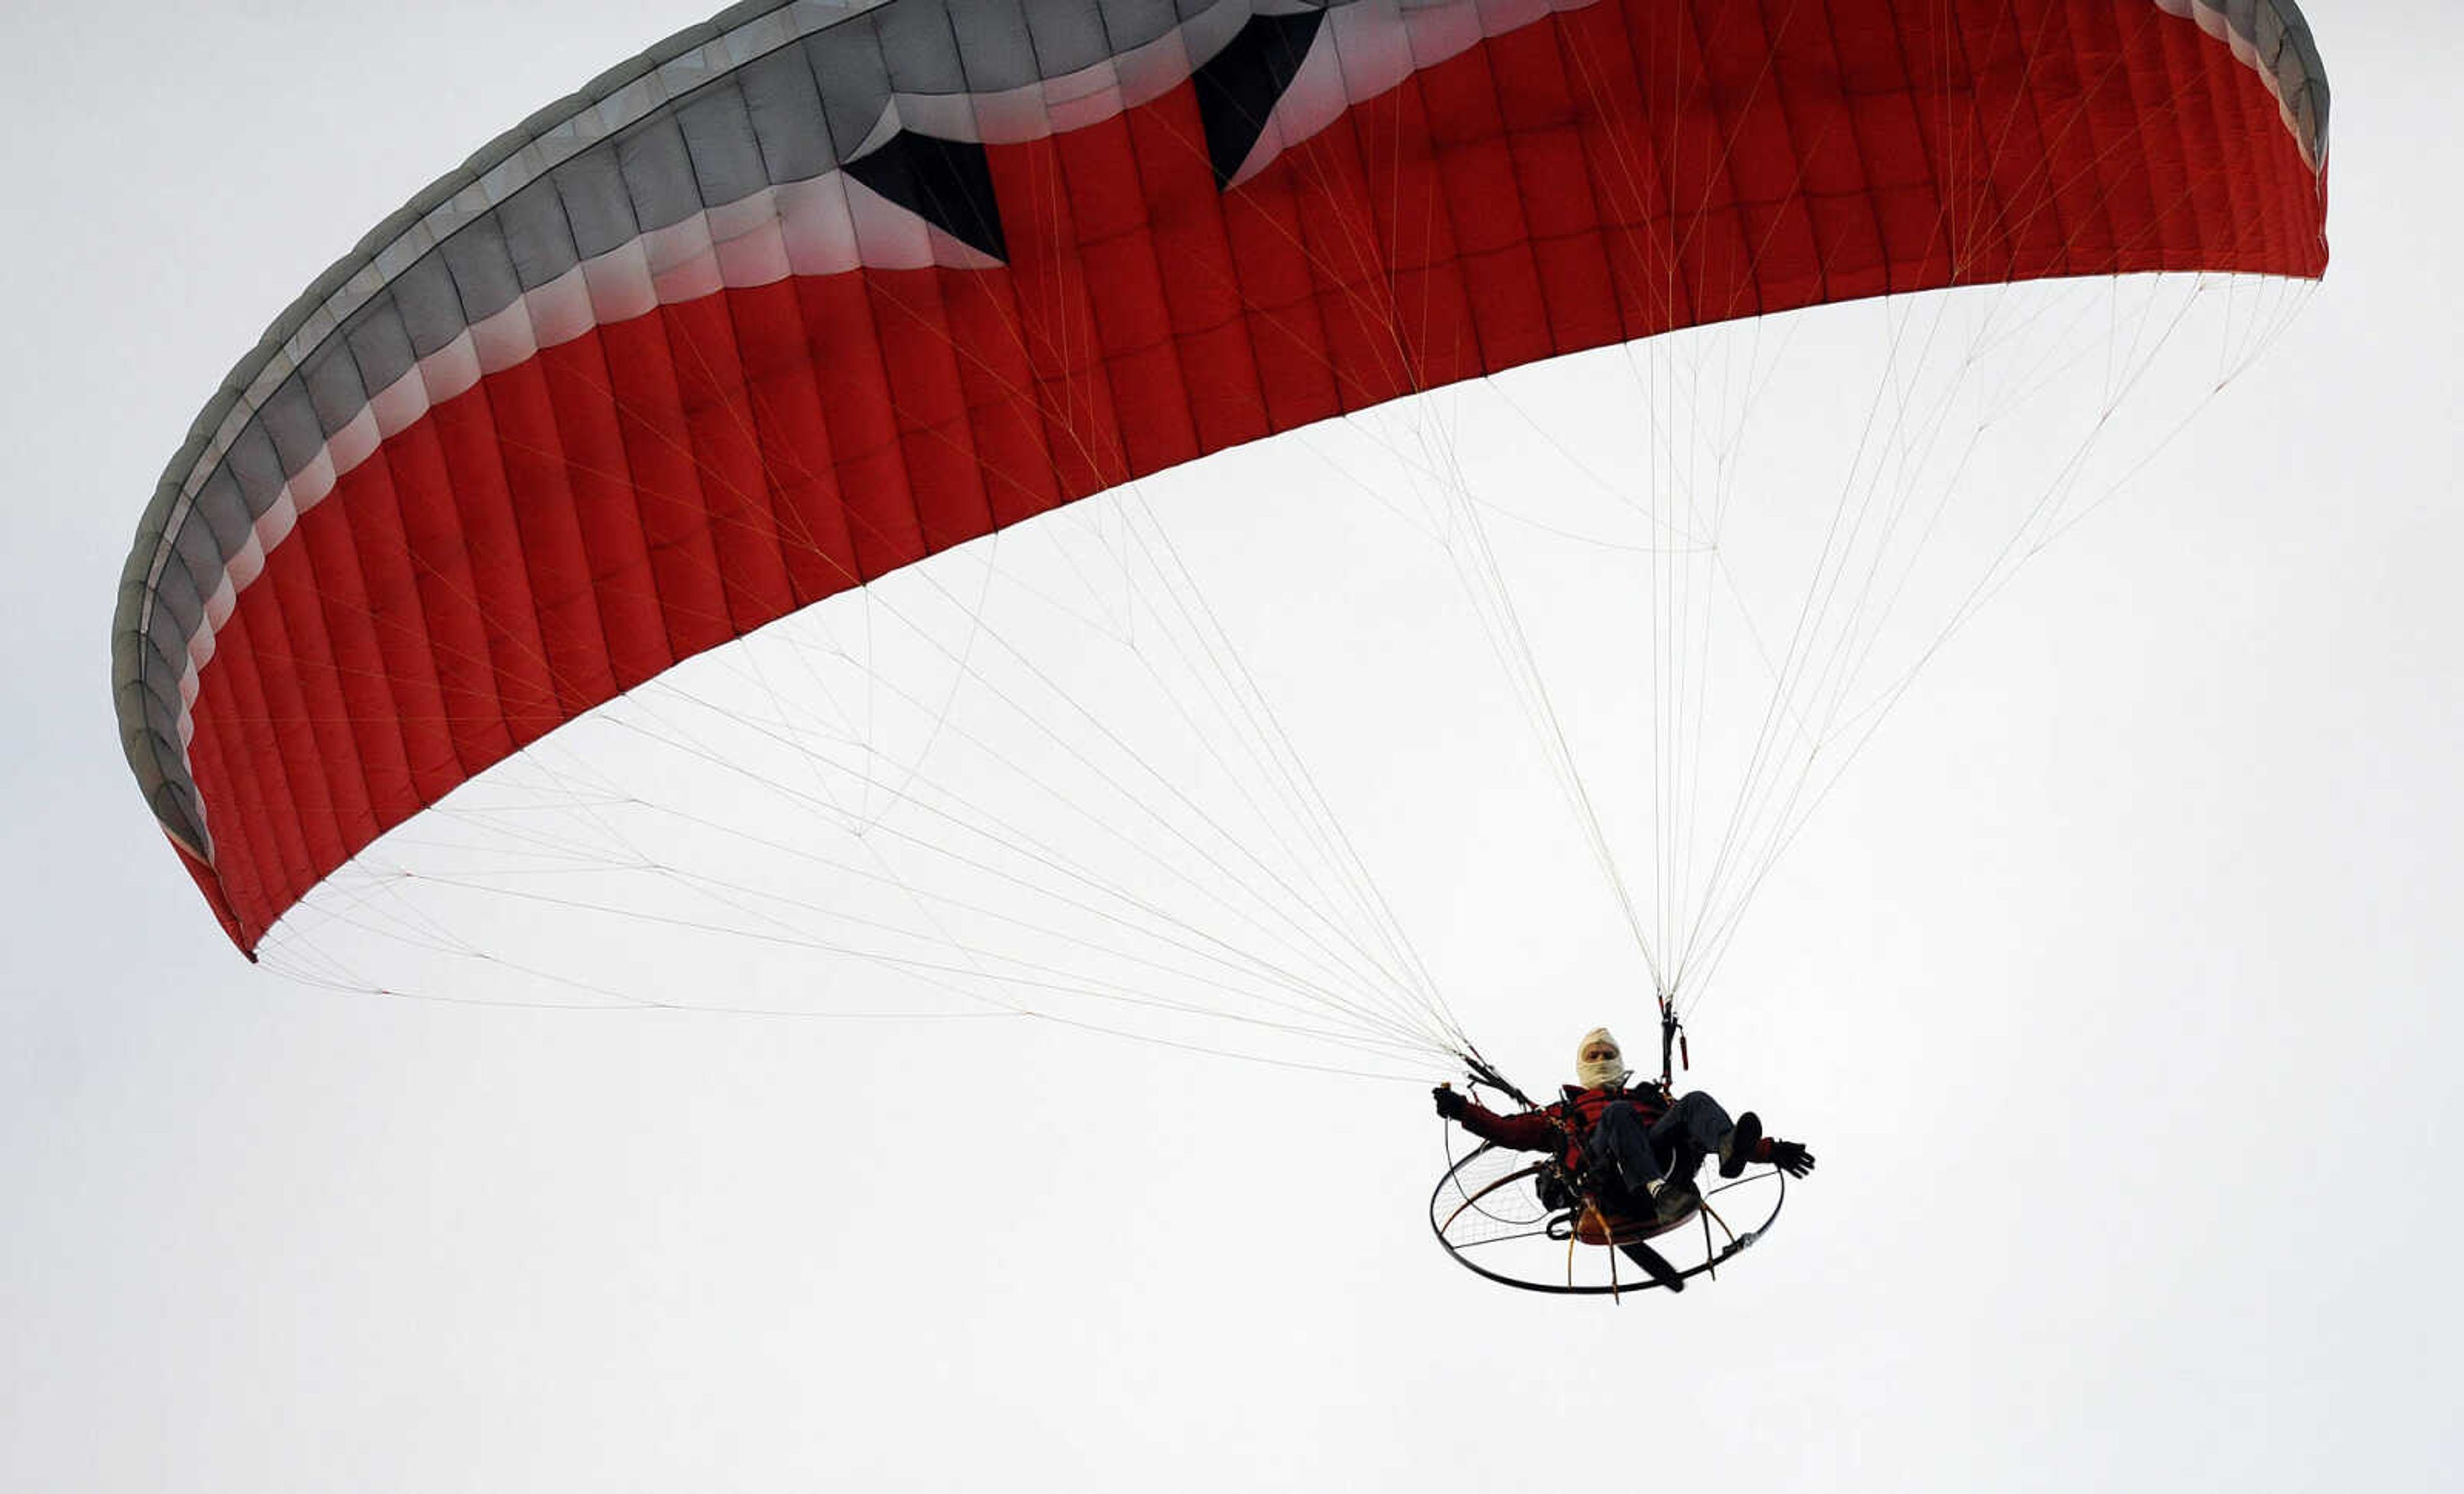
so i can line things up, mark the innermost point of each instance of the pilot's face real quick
(1599, 1053)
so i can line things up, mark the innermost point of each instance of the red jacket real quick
(1545, 1128)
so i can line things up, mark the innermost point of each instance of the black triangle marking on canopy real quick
(946, 183)
(1239, 87)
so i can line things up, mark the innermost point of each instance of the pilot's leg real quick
(1691, 1130)
(1622, 1141)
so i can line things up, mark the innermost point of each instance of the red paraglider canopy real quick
(772, 313)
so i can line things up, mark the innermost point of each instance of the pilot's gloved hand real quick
(1450, 1105)
(1791, 1158)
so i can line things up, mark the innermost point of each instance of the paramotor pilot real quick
(1636, 1152)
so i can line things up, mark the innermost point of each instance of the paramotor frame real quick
(1493, 1213)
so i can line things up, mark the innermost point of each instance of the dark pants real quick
(1679, 1142)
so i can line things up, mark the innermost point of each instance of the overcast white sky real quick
(2115, 993)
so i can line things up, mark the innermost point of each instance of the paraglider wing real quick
(801, 297)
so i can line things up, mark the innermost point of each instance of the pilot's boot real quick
(1738, 1147)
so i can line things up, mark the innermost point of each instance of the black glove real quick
(1450, 1105)
(1791, 1158)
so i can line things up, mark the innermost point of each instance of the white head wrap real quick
(1603, 1072)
